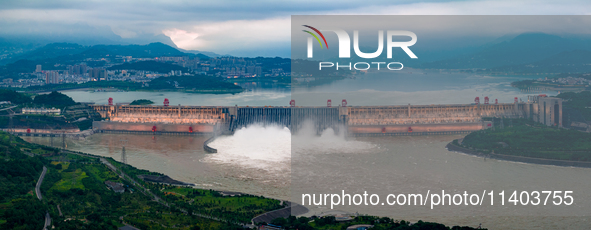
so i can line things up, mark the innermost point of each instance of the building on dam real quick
(353, 120)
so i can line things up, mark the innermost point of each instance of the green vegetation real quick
(379, 223)
(521, 137)
(54, 99)
(38, 122)
(524, 84)
(153, 66)
(240, 209)
(23, 213)
(14, 97)
(579, 102)
(73, 115)
(18, 177)
(237, 208)
(19, 209)
(70, 180)
(90, 202)
(141, 102)
(77, 185)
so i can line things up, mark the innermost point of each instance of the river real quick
(257, 160)
(269, 161)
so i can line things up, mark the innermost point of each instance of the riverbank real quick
(530, 160)
(107, 88)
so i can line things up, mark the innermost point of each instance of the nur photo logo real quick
(344, 47)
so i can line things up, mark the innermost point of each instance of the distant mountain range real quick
(523, 53)
(16, 48)
(526, 52)
(58, 55)
(70, 52)
(575, 61)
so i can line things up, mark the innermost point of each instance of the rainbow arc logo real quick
(317, 39)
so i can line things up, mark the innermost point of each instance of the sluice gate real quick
(262, 115)
(294, 118)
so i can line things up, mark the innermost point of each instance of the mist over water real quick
(272, 147)
(308, 142)
(256, 146)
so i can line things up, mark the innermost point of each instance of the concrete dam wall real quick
(355, 120)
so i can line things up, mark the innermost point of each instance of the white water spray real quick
(271, 147)
(257, 146)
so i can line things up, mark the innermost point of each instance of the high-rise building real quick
(83, 68)
(77, 69)
(250, 69)
(51, 77)
(97, 73)
(38, 69)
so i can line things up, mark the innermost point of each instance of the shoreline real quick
(521, 159)
(115, 89)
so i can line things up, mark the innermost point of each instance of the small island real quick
(141, 102)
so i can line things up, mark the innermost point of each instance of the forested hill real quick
(75, 51)
(526, 52)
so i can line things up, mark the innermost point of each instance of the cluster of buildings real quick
(227, 67)
(224, 67)
(567, 80)
(73, 74)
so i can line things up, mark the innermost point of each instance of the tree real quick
(55, 99)
(279, 221)
(142, 102)
(14, 97)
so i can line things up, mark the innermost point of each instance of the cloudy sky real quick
(236, 27)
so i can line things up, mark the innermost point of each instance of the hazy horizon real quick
(249, 29)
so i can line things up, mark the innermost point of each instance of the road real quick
(11, 107)
(38, 186)
(38, 191)
(47, 221)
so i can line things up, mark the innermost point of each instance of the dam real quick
(353, 120)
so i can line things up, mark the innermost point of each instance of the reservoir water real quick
(378, 88)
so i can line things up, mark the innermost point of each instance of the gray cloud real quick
(257, 26)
